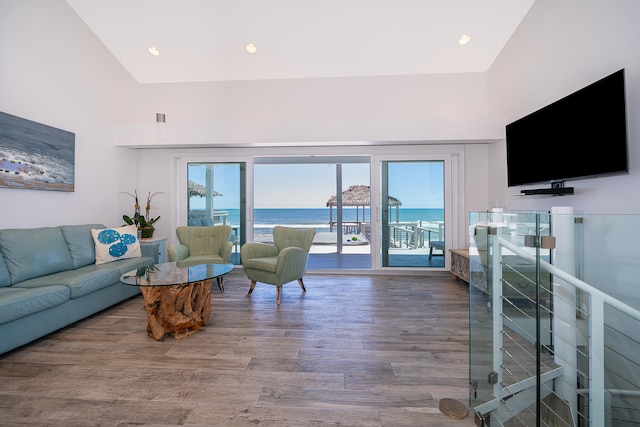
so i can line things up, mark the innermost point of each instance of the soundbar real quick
(554, 191)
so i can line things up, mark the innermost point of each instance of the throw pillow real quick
(113, 244)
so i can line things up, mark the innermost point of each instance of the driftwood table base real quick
(178, 310)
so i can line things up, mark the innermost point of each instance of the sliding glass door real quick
(330, 194)
(412, 213)
(216, 194)
(378, 211)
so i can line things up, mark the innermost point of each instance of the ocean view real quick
(266, 218)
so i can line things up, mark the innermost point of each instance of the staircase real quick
(539, 355)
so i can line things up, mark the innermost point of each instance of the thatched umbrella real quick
(199, 190)
(357, 195)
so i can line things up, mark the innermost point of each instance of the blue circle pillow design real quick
(113, 244)
(120, 242)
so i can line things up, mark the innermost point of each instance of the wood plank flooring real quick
(365, 350)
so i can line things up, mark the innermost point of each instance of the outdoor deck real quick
(334, 261)
(412, 235)
(325, 257)
(410, 244)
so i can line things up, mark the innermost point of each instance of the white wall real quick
(384, 97)
(55, 72)
(350, 115)
(559, 48)
(300, 111)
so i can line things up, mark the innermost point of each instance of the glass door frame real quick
(452, 204)
(180, 213)
(339, 162)
(453, 154)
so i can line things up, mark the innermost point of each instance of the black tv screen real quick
(582, 135)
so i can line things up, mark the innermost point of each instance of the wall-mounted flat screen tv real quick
(582, 135)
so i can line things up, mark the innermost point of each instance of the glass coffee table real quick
(177, 298)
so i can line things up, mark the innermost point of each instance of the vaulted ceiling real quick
(206, 40)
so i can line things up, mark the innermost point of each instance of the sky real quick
(416, 184)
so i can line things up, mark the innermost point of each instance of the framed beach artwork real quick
(34, 156)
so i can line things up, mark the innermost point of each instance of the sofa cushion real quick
(89, 278)
(202, 259)
(16, 303)
(128, 264)
(81, 282)
(34, 252)
(80, 243)
(265, 263)
(5, 279)
(112, 244)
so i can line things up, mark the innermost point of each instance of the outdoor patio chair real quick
(436, 244)
(281, 262)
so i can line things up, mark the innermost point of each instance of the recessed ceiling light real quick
(464, 39)
(250, 47)
(154, 51)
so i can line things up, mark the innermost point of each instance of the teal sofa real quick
(49, 279)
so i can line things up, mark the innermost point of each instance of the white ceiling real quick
(203, 40)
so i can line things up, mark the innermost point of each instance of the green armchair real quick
(202, 245)
(281, 262)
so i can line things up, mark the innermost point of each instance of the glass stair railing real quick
(554, 326)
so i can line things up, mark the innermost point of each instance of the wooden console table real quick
(470, 270)
(460, 263)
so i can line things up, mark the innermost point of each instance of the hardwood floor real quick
(366, 350)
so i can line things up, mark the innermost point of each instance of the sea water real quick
(266, 218)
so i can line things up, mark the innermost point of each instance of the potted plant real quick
(143, 222)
